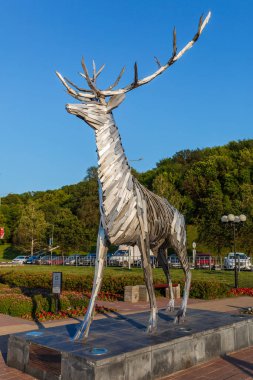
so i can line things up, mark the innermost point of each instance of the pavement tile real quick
(237, 376)
(232, 367)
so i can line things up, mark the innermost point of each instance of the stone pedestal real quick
(176, 291)
(143, 293)
(131, 294)
(128, 352)
(140, 293)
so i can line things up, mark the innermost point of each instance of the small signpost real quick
(1, 232)
(56, 287)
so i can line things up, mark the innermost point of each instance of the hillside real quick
(203, 184)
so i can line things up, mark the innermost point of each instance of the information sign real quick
(57, 282)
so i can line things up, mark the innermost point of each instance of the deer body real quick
(130, 213)
(117, 212)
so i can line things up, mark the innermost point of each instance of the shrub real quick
(70, 281)
(20, 305)
(20, 308)
(116, 285)
(207, 290)
(28, 280)
(75, 300)
(77, 283)
(40, 303)
(5, 289)
(15, 305)
(111, 285)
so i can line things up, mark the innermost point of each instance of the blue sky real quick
(205, 99)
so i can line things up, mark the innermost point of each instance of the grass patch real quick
(226, 277)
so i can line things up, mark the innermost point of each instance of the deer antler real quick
(118, 79)
(175, 57)
(94, 92)
(82, 96)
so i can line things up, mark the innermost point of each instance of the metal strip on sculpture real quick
(130, 214)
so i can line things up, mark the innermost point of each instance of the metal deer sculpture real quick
(130, 214)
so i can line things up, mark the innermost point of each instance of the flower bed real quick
(241, 292)
(40, 304)
(70, 313)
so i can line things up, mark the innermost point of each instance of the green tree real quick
(211, 231)
(31, 228)
(69, 232)
(165, 188)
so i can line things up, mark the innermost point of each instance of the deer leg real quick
(148, 276)
(178, 242)
(182, 255)
(162, 259)
(182, 310)
(99, 266)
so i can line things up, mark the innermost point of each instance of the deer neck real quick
(113, 169)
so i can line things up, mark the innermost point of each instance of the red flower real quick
(241, 292)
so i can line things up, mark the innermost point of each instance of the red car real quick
(204, 260)
(52, 260)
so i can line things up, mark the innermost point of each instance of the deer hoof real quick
(151, 329)
(180, 316)
(171, 306)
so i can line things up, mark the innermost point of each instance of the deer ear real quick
(115, 101)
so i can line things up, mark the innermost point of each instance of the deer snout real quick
(72, 108)
(93, 114)
(78, 110)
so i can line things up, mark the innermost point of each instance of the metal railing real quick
(201, 262)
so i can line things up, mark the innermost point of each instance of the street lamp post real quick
(234, 221)
(51, 242)
(194, 245)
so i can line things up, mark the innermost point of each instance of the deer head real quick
(94, 106)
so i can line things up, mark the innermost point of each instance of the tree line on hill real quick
(203, 184)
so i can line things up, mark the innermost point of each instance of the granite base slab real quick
(130, 354)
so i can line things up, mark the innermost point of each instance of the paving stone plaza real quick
(238, 365)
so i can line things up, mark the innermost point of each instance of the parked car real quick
(56, 260)
(44, 260)
(31, 260)
(241, 258)
(20, 259)
(204, 260)
(88, 259)
(119, 258)
(125, 255)
(174, 261)
(52, 260)
(37, 259)
(153, 262)
(108, 257)
(74, 259)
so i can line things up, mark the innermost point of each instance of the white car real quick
(120, 258)
(242, 261)
(20, 259)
